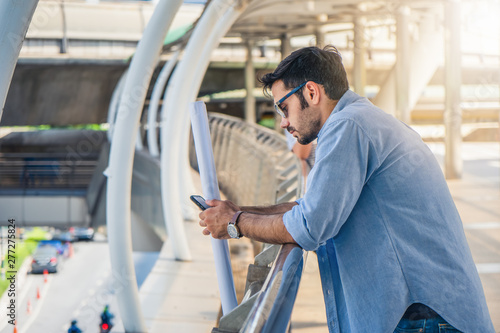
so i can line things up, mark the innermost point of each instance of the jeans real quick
(434, 325)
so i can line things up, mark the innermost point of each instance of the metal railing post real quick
(266, 306)
(210, 186)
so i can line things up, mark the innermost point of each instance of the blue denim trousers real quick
(434, 325)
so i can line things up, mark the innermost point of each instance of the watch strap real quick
(234, 221)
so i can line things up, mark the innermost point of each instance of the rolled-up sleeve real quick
(345, 159)
(295, 225)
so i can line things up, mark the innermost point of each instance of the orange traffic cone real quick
(70, 250)
(28, 309)
(45, 275)
(37, 293)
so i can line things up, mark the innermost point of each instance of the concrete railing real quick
(255, 167)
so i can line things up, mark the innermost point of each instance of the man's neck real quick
(327, 110)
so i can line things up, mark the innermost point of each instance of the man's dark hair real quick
(323, 66)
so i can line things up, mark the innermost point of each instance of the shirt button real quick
(329, 292)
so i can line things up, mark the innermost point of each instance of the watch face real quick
(232, 231)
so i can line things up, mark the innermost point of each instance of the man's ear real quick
(313, 92)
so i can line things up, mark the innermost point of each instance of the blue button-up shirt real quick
(386, 230)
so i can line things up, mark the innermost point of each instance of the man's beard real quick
(311, 135)
(314, 127)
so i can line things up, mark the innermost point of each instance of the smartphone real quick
(199, 201)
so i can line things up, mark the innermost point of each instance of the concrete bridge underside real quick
(62, 93)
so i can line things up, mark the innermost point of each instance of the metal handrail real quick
(253, 162)
(254, 167)
(272, 310)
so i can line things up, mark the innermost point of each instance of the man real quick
(107, 317)
(74, 328)
(390, 243)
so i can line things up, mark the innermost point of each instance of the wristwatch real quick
(232, 229)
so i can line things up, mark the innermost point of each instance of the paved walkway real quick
(477, 196)
(184, 297)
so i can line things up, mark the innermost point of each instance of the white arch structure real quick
(176, 182)
(113, 111)
(159, 85)
(121, 158)
(184, 86)
(113, 105)
(14, 23)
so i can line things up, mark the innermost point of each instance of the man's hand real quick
(215, 219)
(264, 224)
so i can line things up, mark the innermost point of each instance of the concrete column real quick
(250, 115)
(359, 66)
(403, 57)
(453, 81)
(423, 65)
(15, 19)
(320, 37)
(286, 49)
(64, 39)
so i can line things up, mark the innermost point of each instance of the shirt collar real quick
(349, 97)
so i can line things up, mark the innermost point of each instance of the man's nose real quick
(284, 123)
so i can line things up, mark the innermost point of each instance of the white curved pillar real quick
(224, 14)
(119, 171)
(138, 142)
(15, 18)
(113, 104)
(183, 88)
(158, 88)
(219, 30)
(113, 110)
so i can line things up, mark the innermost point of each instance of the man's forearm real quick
(268, 210)
(264, 224)
(264, 228)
